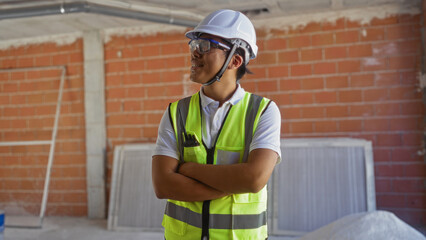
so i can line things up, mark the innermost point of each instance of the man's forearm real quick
(235, 178)
(171, 185)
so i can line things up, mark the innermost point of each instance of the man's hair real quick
(242, 70)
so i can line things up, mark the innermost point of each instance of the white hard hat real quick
(230, 25)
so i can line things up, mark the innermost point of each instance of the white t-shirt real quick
(266, 135)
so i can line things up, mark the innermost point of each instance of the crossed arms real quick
(199, 182)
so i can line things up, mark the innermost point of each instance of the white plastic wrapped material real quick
(376, 225)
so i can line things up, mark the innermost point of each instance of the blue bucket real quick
(1, 221)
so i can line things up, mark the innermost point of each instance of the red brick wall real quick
(28, 96)
(329, 80)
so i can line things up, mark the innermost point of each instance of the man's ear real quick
(235, 62)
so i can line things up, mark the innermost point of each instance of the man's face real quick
(205, 66)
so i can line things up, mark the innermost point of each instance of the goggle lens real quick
(203, 45)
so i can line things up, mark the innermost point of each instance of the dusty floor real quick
(60, 228)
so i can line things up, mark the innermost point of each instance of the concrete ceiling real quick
(26, 19)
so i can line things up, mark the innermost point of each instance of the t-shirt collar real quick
(236, 97)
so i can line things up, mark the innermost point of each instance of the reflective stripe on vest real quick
(217, 221)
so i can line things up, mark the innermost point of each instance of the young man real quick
(217, 149)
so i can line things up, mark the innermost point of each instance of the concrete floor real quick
(66, 228)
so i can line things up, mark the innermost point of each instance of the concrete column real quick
(94, 103)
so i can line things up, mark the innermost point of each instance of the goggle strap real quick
(223, 69)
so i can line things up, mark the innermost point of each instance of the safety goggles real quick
(203, 45)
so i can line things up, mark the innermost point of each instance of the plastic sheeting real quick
(376, 225)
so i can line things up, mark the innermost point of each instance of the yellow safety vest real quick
(237, 216)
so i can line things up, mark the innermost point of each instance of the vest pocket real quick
(227, 157)
(175, 220)
(249, 203)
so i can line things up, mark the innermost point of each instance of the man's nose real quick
(195, 53)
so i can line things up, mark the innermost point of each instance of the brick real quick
(301, 70)
(267, 58)
(136, 92)
(404, 93)
(385, 49)
(301, 127)
(372, 34)
(302, 98)
(276, 44)
(337, 82)
(347, 36)
(360, 51)
(132, 133)
(402, 62)
(406, 155)
(112, 80)
(116, 119)
(350, 125)
(265, 86)
(325, 68)
(346, 96)
(349, 66)
(362, 80)
(26, 62)
(390, 200)
(312, 112)
(291, 113)
(311, 54)
(337, 111)
(288, 56)
(281, 98)
(389, 170)
(312, 83)
(149, 51)
(111, 67)
(402, 32)
(376, 125)
(415, 170)
(278, 71)
(290, 84)
(325, 126)
(325, 97)
(412, 139)
(335, 52)
(174, 48)
(322, 39)
(389, 140)
(299, 41)
(115, 93)
(130, 52)
(378, 94)
(409, 77)
(408, 185)
(412, 108)
(416, 201)
(373, 64)
(387, 109)
(175, 62)
(9, 87)
(150, 132)
(363, 110)
(406, 124)
(383, 185)
(112, 107)
(381, 154)
(154, 77)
